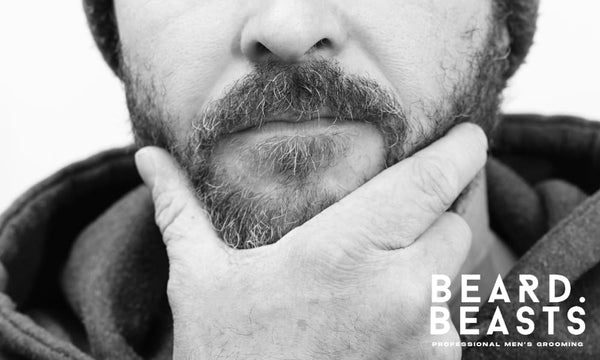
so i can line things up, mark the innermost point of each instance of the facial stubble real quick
(246, 218)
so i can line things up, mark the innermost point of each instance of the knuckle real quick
(333, 264)
(376, 236)
(167, 209)
(355, 228)
(437, 179)
(179, 292)
(334, 255)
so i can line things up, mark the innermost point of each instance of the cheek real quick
(188, 51)
(182, 50)
(422, 48)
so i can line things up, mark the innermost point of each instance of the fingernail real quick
(145, 165)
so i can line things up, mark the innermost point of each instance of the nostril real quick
(323, 43)
(260, 50)
(285, 51)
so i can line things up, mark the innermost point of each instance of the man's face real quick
(277, 109)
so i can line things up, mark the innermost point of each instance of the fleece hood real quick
(85, 271)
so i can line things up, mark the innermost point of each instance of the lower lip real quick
(288, 126)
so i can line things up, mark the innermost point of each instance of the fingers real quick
(443, 248)
(398, 205)
(182, 221)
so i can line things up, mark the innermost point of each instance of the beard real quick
(246, 218)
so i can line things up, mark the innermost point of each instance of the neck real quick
(488, 256)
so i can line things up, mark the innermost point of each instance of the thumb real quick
(184, 224)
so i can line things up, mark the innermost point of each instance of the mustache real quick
(297, 91)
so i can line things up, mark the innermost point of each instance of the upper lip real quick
(286, 117)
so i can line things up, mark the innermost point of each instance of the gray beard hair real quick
(293, 159)
(247, 219)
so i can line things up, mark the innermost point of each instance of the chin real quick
(263, 185)
(247, 218)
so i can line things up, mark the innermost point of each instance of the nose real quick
(292, 31)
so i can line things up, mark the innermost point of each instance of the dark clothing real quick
(86, 269)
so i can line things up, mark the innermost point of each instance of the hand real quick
(352, 283)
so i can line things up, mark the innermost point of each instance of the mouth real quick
(289, 121)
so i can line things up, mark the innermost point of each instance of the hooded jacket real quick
(83, 270)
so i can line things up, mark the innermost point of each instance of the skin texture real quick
(369, 243)
(348, 284)
(196, 49)
(278, 109)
